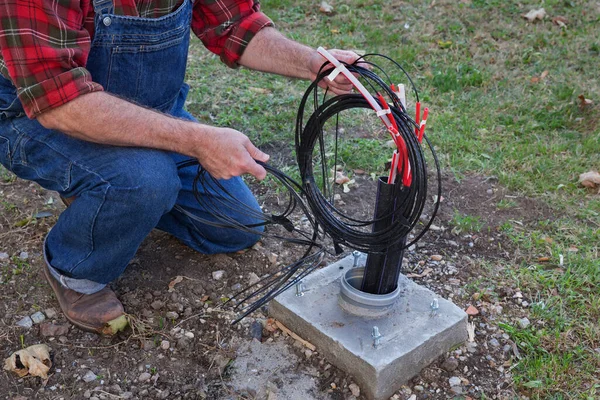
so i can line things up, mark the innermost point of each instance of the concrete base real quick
(413, 337)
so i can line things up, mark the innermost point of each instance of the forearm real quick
(270, 51)
(102, 118)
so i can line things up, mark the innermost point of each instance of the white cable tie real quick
(423, 122)
(383, 112)
(336, 71)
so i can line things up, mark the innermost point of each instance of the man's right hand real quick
(226, 153)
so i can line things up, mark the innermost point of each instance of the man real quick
(91, 106)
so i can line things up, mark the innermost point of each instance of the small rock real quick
(413, 397)
(25, 322)
(221, 362)
(436, 257)
(23, 255)
(87, 394)
(126, 395)
(38, 317)
(144, 377)
(472, 311)
(157, 305)
(189, 335)
(217, 275)
(89, 377)
(354, 389)
(524, 323)
(50, 313)
(450, 364)
(165, 345)
(494, 342)
(456, 389)
(4, 256)
(454, 381)
(253, 278)
(163, 394)
(172, 315)
(237, 287)
(308, 353)
(116, 389)
(50, 329)
(419, 388)
(256, 330)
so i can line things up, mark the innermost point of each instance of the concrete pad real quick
(413, 337)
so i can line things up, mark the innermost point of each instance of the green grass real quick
(477, 65)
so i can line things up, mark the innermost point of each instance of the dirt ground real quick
(183, 345)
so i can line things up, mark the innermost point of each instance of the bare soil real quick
(183, 345)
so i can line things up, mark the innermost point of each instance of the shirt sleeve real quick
(44, 47)
(227, 26)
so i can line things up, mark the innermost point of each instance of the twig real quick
(285, 330)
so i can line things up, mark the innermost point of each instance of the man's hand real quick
(226, 153)
(341, 84)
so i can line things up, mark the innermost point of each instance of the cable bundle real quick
(315, 198)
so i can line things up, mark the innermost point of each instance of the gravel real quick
(38, 317)
(144, 377)
(454, 381)
(217, 275)
(524, 323)
(25, 322)
(89, 377)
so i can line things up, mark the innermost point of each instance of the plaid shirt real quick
(44, 45)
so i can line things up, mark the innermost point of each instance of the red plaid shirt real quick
(44, 45)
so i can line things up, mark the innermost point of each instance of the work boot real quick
(100, 312)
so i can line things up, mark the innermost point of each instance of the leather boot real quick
(100, 312)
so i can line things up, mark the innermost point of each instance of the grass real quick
(494, 110)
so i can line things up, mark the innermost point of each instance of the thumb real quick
(256, 154)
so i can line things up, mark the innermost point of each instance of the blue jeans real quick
(122, 193)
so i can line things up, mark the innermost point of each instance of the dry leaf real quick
(583, 102)
(174, 282)
(533, 15)
(544, 74)
(271, 326)
(340, 178)
(543, 259)
(471, 310)
(260, 90)
(425, 272)
(326, 8)
(34, 360)
(560, 21)
(590, 179)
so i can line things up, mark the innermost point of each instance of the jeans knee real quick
(153, 186)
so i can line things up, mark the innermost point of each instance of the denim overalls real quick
(122, 193)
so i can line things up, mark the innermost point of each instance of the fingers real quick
(255, 169)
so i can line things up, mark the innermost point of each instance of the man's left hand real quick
(341, 84)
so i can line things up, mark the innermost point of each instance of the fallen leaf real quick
(326, 8)
(271, 326)
(543, 259)
(583, 102)
(174, 282)
(116, 325)
(204, 298)
(425, 272)
(590, 179)
(260, 90)
(359, 171)
(34, 360)
(544, 74)
(533, 15)
(340, 178)
(471, 310)
(535, 79)
(560, 21)
(436, 257)
(444, 44)
(334, 31)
